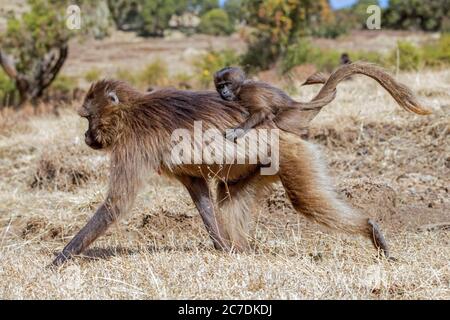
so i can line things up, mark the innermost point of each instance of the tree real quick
(38, 41)
(235, 10)
(215, 22)
(359, 10)
(152, 17)
(279, 24)
(35, 45)
(202, 6)
(126, 14)
(428, 15)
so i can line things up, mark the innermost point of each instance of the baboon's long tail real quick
(319, 103)
(401, 93)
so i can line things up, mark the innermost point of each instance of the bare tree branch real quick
(53, 72)
(47, 70)
(8, 65)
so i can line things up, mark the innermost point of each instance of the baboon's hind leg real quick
(378, 239)
(236, 200)
(199, 191)
(304, 178)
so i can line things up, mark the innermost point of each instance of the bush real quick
(326, 59)
(410, 56)
(7, 89)
(182, 80)
(206, 65)
(63, 85)
(438, 54)
(370, 56)
(302, 53)
(297, 54)
(261, 55)
(276, 25)
(330, 30)
(93, 75)
(216, 22)
(155, 74)
(127, 76)
(431, 15)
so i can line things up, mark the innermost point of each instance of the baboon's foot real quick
(234, 247)
(221, 246)
(60, 259)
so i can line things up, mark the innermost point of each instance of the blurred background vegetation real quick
(34, 44)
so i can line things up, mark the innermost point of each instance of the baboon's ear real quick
(113, 97)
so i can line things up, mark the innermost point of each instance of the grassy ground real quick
(385, 161)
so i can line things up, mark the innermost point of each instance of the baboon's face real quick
(98, 108)
(228, 83)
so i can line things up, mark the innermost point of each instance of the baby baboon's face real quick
(98, 108)
(228, 82)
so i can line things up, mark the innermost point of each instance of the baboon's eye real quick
(90, 96)
(113, 97)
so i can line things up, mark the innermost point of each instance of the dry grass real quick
(390, 163)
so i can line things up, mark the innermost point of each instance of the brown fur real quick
(135, 128)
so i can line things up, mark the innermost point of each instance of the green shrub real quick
(127, 76)
(326, 60)
(261, 55)
(370, 56)
(297, 54)
(7, 89)
(207, 64)
(278, 25)
(409, 56)
(437, 54)
(6, 85)
(64, 84)
(303, 52)
(156, 73)
(93, 75)
(430, 15)
(216, 22)
(182, 80)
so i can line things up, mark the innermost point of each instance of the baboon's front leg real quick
(199, 192)
(98, 224)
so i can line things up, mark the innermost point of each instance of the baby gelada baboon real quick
(262, 100)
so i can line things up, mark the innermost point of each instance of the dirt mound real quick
(377, 199)
(39, 228)
(67, 168)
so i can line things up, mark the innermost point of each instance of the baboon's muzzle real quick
(91, 141)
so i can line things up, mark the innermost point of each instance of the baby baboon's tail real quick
(316, 78)
(401, 93)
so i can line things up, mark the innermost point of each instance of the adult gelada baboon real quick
(136, 128)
